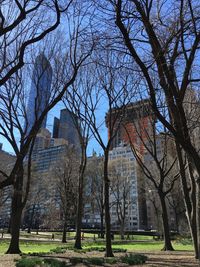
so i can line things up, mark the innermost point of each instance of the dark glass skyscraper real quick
(65, 128)
(40, 90)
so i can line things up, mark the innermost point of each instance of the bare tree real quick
(74, 102)
(108, 86)
(66, 175)
(22, 24)
(120, 191)
(157, 43)
(13, 116)
(158, 165)
(95, 193)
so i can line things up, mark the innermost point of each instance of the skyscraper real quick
(40, 90)
(65, 128)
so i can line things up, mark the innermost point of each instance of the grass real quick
(31, 247)
(130, 246)
(142, 246)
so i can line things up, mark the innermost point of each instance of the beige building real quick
(126, 186)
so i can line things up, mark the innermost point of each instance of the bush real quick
(76, 260)
(102, 249)
(184, 241)
(94, 261)
(29, 262)
(133, 259)
(117, 250)
(54, 263)
(58, 250)
(111, 260)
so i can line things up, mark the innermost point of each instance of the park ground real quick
(43, 243)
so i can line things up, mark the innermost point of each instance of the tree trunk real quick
(101, 229)
(198, 218)
(189, 200)
(165, 223)
(16, 213)
(122, 230)
(109, 252)
(64, 235)
(31, 219)
(77, 244)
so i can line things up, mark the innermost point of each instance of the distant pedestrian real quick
(52, 237)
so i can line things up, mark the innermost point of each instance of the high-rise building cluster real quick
(133, 126)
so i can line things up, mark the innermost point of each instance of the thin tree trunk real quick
(165, 223)
(102, 230)
(31, 219)
(77, 244)
(122, 230)
(64, 235)
(109, 252)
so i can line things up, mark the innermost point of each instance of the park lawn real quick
(142, 246)
(43, 247)
(31, 247)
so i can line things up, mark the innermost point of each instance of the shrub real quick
(76, 260)
(133, 259)
(54, 263)
(58, 250)
(111, 260)
(95, 261)
(117, 250)
(29, 262)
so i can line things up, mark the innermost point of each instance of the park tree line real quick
(138, 49)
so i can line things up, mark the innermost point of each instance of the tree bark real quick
(165, 223)
(31, 219)
(109, 252)
(189, 200)
(16, 213)
(64, 235)
(101, 229)
(77, 244)
(122, 230)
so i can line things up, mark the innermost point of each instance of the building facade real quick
(40, 90)
(132, 123)
(125, 190)
(66, 128)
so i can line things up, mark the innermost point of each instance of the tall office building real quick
(65, 128)
(40, 90)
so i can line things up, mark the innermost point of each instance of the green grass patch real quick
(139, 246)
(33, 247)
(123, 246)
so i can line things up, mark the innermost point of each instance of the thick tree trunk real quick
(198, 217)
(16, 213)
(109, 252)
(165, 223)
(190, 202)
(64, 235)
